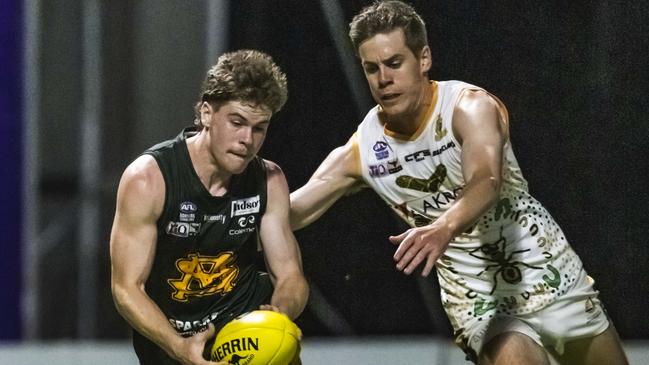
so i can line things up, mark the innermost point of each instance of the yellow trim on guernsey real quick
(421, 122)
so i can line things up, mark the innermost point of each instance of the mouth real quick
(243, 156)
(389, 97)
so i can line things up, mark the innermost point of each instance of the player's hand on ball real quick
(261, 337)
(190, 350)
(268, 307)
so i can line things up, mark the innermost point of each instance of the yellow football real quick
(258, 338)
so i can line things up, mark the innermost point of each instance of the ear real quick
(425, 60)
(206, 114)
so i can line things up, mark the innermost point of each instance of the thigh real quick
(605, 348)
(513, 348)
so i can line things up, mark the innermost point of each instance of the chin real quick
(392, 109)
(238, 168)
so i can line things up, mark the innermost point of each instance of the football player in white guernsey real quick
(439, 154)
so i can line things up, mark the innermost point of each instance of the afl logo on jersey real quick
(187, 207)
(381, 150)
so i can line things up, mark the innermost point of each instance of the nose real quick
(385, 76)
(245, 136)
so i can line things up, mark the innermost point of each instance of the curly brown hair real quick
(384, 17)
(248, 76)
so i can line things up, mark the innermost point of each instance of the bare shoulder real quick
(477, 111)
(272, 168)
(143, 171)
(474, 100)
(344, 161)
(275, 177)
(142, 182)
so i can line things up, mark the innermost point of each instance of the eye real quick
(370, 69)
(395, 64)
(260, 129)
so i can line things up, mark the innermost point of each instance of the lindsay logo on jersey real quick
(245, 206)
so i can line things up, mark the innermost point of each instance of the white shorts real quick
(577, 314)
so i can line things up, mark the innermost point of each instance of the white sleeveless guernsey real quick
(513, 260)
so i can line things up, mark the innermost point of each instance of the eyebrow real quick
(397, 56)
(235, 114)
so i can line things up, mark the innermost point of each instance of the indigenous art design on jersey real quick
(514, 259)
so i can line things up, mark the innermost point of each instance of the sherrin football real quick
(259, 337)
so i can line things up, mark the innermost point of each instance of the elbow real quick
(119, 296)
(295, 221)
(123, 296)
(296, 214)
(303, 298)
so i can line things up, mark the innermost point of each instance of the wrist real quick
(447, 227)
(173, 345)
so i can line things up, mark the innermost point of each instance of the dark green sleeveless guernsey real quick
(205, 266)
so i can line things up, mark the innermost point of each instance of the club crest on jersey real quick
(381, 150)
(440, 131)
(245, 206)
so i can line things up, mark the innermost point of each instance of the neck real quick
(407, 123)
(211, 175)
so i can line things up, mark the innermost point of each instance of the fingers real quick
(412, 262)
(415, 247)
(211, 330)
(430, 263)
(397, 239)
(269, 307)
(404, 240)
(207, 334)
(204, 337)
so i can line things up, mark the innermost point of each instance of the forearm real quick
(291, 295)
(311, 201)
(477, 197)
(145, 317)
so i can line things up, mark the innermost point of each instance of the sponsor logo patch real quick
(386, 168)
(183, 229)
(214, 218)
(245, 206)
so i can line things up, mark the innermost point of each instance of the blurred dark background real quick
(574, 76)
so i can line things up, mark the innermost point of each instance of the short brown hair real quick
(248, 76)
(386, 16)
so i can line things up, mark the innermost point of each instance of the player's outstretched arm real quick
(281, 249)
(140, 200)
(480, 125)
(337, 175)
